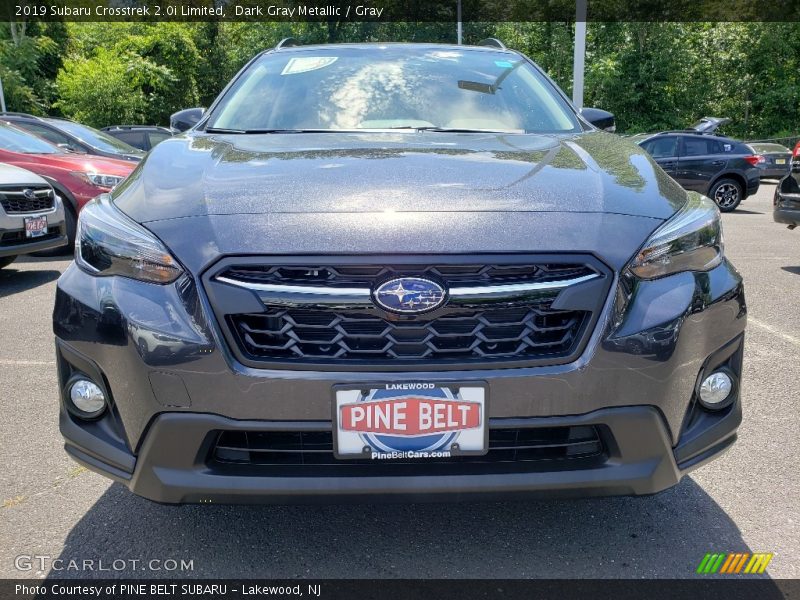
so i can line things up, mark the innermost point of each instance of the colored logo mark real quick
(734, 563)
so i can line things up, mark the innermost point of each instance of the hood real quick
(202, 174)
(11, 175)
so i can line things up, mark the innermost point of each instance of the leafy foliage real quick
(651, 75)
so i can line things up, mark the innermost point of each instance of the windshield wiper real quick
(257, 131)
(457, 129)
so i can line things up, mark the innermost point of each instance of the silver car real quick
(31, 215)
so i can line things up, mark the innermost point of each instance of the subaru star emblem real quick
(409, 295)
(29, 194)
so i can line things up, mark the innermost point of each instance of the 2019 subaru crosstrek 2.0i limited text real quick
(397, 271)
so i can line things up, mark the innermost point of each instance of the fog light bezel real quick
(732, 395)
(76, 411)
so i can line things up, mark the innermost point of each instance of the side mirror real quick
(184, 120)
(602, 119)
(69, 148)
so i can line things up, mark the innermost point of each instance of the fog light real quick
(87, 398)
(715, 390)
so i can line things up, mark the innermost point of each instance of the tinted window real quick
(662, 147)
(393, 87)
(158, 136)
(93, 137)
(134, 138)
(45, 132)
(697, 146)
(17, 140)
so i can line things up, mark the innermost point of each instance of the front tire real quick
(72, 225)
(727, 193)
(7, 260)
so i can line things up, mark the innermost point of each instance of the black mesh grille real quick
(353, 334)
(508, 447)
(14, 201)
(521, 332)
(367, 275)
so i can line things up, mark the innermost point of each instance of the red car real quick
(77, 178)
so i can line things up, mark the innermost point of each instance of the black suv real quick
(786, 201)
(721, 168)
(74, 137)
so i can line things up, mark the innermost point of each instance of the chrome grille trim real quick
(294, 295)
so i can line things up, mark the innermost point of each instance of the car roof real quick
(689, 133)
(135, 128)
(409, 45)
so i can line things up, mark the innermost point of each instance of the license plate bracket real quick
(35, 226)
(410, 420)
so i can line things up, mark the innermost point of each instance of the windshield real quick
(96, 139)
(16, 140)
(392, 87)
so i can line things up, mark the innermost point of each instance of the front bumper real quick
(786, 205)
(173, 384)
(776, 172)
(12, 232)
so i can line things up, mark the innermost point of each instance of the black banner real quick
(400, 10)
(734, 588)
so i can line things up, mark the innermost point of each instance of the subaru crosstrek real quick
(409, 271)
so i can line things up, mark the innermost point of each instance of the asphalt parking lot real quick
(745, 502)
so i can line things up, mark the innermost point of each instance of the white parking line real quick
(789, 338)
(7, 362)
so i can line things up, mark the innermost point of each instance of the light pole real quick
(459, 33)
(2, 97)
(580, 53)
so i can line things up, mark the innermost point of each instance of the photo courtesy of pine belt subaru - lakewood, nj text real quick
(397, 271)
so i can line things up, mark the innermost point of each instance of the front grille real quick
(499, 313)
(354, 275)
(510, 449)
(533, 331)
(14, 200)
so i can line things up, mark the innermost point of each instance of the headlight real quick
(690, 241)
(108, 242)
(99, 179)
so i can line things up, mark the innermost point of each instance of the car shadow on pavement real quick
(663, 536)
(14, 281)
(742, 211)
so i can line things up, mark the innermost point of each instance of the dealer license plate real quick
(410, 420)
(35, 226)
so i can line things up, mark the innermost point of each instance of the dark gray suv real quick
(397, 270)
(724, 169)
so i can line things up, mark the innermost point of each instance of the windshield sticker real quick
(307, 63)
(504, 64)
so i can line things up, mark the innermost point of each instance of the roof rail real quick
(493, 42)
(18, 114)
(286, 43)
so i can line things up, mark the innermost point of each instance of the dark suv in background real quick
(74, 137)
(721, 168)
